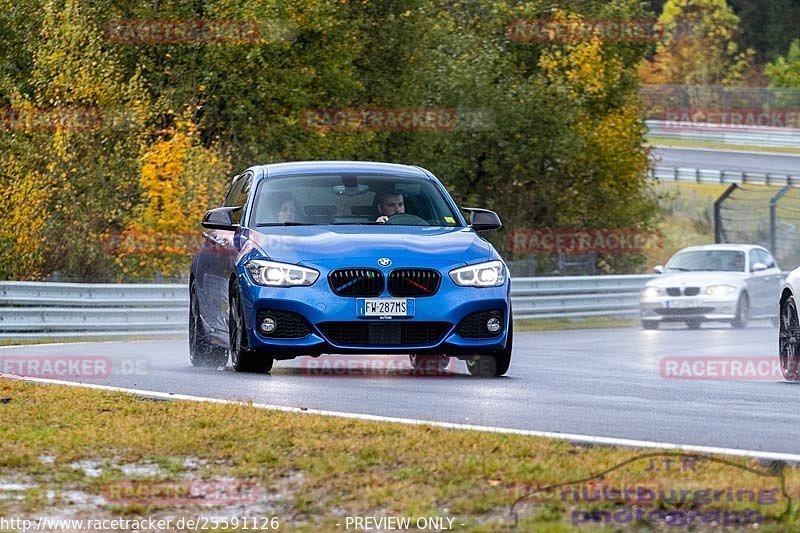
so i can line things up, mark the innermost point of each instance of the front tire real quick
(202, 353)
(494, 365)
(650, 324)
(742, 312)
(788, 340)
(694, 324)
(243, 359)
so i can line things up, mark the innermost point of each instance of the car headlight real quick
(652, 292)
(720, 290)
(274, 274)
(490, 274)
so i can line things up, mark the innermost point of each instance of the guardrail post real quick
(717, 205)
(773, 206)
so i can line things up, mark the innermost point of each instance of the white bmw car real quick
(717, 282)
(789, 336)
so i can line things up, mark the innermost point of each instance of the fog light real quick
(493, 325)
(268, 325)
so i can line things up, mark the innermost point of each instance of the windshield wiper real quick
(358, 224)
(263, 224)
(680, 268)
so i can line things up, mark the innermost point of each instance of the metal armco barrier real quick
(719, 177)
(40, 310)
(577, 296)
(33, 310)
(726, 134)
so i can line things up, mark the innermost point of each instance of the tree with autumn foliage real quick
(699, 45)
(557, 142)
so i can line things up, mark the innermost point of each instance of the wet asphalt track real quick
(603, 382)
(726, 160)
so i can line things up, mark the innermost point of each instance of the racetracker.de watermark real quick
(609, 241)
(139, 31)
(182, 492)
(687, 118)
(67, 118)
(582, 30)
(407, 119)
(57, 366)
(738, 368)
(377, 366)
(71, 366)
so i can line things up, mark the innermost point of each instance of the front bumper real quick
(682, 308)
(320, 307)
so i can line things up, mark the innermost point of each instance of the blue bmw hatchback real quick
(348, 258)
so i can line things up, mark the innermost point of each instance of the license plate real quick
(681, 304)
(385, 307)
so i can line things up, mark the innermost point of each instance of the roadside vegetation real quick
(546, 131)
(65, 449)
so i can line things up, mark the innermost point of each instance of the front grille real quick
(363, 333)
(356, 282)
(684, 311)
(687, 291)
(414, 282)
(290, 325)
(473, 326)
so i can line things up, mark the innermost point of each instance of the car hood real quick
(335, 246)
(697, 279)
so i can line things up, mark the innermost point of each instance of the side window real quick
(754, 258)
(237, 196)
(765, 258)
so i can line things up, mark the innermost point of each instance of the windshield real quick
(713, 260)
(349, 199)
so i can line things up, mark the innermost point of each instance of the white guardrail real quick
(726, 133)
(35, 310)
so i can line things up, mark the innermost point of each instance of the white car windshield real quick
(707, 260)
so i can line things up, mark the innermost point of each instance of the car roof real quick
(323, 167)
(721, 246)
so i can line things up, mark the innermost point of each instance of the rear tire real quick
(243, 359)
(742, 312)
(694, 324)
(202, 352)
(650, 324)
(494, 365)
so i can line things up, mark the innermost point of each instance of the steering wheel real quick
(407, 219)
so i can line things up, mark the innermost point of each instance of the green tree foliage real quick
(785, 70)
(699, 46)
(548, 133)
(768, 26)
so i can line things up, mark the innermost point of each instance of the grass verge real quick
(656, 142)
(99, 338)
(551, 324)
(62, 448)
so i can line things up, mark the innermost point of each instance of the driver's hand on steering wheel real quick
(382, 219)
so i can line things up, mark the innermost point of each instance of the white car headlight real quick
(720, 290)
(273, 274)
(490, 274)
(652, 292)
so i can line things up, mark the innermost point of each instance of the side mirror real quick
(658, 269)
(221, 218)
(758, 267)
(483, 219)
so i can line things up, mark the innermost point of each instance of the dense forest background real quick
(148, 132)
